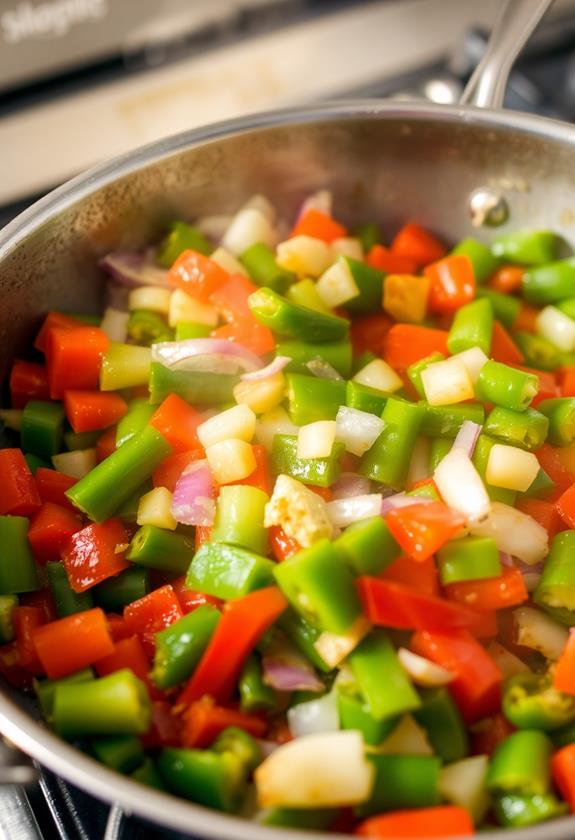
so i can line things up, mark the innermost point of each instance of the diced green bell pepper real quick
(228, 571)
(322, 472)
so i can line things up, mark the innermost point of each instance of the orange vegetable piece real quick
(73, 359)
(318, 225)
(177, 421)
(563, 773)
(507, 279)
(490, 594)
(503, 348)
(417, 244)
(405, 344)
(452, 283)
(439, 821)
(203, 721)
(385, 260)
(422, 529)
(72, 643)
(88, 411)
(197, 275)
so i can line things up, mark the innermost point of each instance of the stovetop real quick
(543, 82)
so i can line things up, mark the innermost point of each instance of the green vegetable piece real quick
(506, 386)
(483, 262)
(147, 774)
(124, 366)
(526, 429)
(114, 705)
(146, 327)
(567, 306)
(46, 690)
(260, 262)
(368, 546)
(472, 327)
(530, 701)
(472, 558)
(311, 398)
(122, 753)
(239, 743)
(180, 238)
(303, 634)
(239, 518)
(365, 398)
(100, 493)
(354, 714)
(196, 387)
(305, 293)
(385, 698)
(228, 571)
(191, 329)
(505, 308)
(415, 370)
(289, 319)
(319, 584)
(483, 447)
(369, 281)
(117, 592)
(42, 428)
(549, 283)
(128, 510)
(7, 604)
(538, 351)
(322, 472)
(35, 463)
(520, 765)
(216, 780)
(67, 601)
(17, 567)
(81, 440)
(157, 548)
(555, 592)
(255, 695)
(439, 449)
(135, 420)
(442, 721)
(387, 461)
(540, 488)
(180, 646)
(369, 235)
(402, 781)
(338, 354)
(446, 420)
(560, 412)
(521, 811)
(527, 247)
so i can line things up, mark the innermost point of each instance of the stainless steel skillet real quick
(383, 160)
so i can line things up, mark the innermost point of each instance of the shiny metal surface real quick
(384, 161)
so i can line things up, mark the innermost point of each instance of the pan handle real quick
(514, 26)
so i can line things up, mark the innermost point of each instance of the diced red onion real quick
(400, 500)
(323, 370)
(213, 355)
(343, 512)
(285, 675)
(467, 437)
(193, 500)
(349, 485)
(278, 364)
(132, 269)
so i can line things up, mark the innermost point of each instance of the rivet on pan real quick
(488, 208)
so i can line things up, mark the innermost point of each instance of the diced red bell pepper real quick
(419, 574)
(18, 491)
(439, 821)
(12, 669)
(106, 444)
(129, 653)
(452, 283)
(95, 553)
(391, 604)
(73, 359)
(51, 321)
(231, 300)
(26, 620)
(503, 348)
(550, 460)
(52, 486)
(567, 381)
(73, 643)
(507, 279)
(564, 676)
(488, 594)
(417, 244)
(527, 318)
(242, 624)
(477, 686)
(197, 275)
(405, 344)
(422, 529)
(318, 225)
(118, 628)
(385, 260)
(281, 545)
(49, 530)
(565, 506)
(189, 599)
(177, 421)
(203, 534)
(88, 411)
(44, 600)
(543, 512)
(368, 332)
(165, 728)
(260, 477)
(203, 721)
(28, 381)
(563, 773)
(152, 613)
(488, 733)
(172, 467)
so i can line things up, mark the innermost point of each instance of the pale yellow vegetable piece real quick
(378, 374)
(334, 648)
(515, 533)
(134, 369)
(510, 467)
(556, 327)
(154, 298)
(507, 662)
(272, 423)
(299, 511)
(315, 440)
(473, 359)
(248, 227)
(407, 738)
(405, 297)
(228, 262)
(347, 246)
(304, 255)
(537, 630)
(423, 671)
(463, 783)
(336, 285)
(447, 382)
(236, 422)
(419, 463)
(261, 395)
(77, 463)
(461, 487)
(183, 307)
(231, 460)
(155, 508)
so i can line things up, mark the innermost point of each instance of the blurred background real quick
(83, 80)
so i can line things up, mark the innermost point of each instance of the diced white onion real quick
(321, 200)
(349, 485)
(446, 382)
(228, 262)
(378, 374)
(154, 298)
(184, 307)
(507, 662)
(557, 328)
(514, 532)
(324, 770)
(463, 783)
(461, 487)
(422, 671)
(358, 430)
(323, 370)
(115, 324)
(473, 359)
(215, 226)
(248, 227)
(335, 647)
(263, 204)
(347, 246)
(343, 512)
(336, 285)
(466, 437)
(272, 423)
(236, 422)
(315, 716)
(315, 440)
(537, 630)
(510, 467)
(76, 464)
(304, 255)
(419, 463)
(408, 738)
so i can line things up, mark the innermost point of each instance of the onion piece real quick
(349, 485)
(77, 463)
(115, 324)
(460, 485)
(321, 200)
(205, 354)
(132, 269)
(193, 499)
(514, 532)
(290, 673)
(314, 716)
(335, 647)
(407, 738)
(423, 671)
(343, 512)
(537, 630)
(276, 366)
(467, 437)
(358, 430)
(531, 574)
(507, 662)
(323, 370)
(400, 500)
